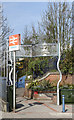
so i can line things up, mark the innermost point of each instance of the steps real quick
(42, 96)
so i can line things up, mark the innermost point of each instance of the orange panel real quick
(14, 40)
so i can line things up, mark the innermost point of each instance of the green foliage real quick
(67, 87)
(45, 84)
(66, 64)
(54, 87)
(39, 66)
(33, 84)
(37, 86)
(71, 86)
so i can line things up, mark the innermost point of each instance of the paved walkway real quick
(38, 109)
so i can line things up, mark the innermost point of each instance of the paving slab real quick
(38, 109)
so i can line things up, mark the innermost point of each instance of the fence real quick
(69, 95)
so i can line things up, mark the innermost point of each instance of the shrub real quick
(39, 85)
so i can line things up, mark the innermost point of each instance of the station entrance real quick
(34, 50)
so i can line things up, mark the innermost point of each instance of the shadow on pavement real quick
(38, 103)
(66, 110)
(30, 105)
(19, 106)
(19, 101)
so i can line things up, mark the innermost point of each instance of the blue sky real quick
(20, 14)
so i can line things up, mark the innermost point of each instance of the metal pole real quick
(14, 84)
(63, 103)
(58, 101)
(7, 70)
(4, 63)
(11, 70)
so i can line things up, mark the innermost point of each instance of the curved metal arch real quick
(58, 101)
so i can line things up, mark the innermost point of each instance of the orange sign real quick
(14, 42)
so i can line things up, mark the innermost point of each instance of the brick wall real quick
(66, 79)
(54, 78)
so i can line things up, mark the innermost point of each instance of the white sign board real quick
(36, 50)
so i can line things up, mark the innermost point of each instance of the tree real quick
(4, 34)
(56, 23)
(67, 62)
(30, 37)
(34, 35)
(26, 36)
(55, 26)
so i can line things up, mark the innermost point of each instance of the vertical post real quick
(6, 72)
(63, 103)
(58, 101)
(14, 84)
(4, 63)
(7, 69)
(11, 68)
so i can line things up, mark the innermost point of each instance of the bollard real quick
(63, 103)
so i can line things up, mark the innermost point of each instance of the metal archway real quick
(37, 50)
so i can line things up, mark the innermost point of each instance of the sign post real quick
(14, 45)
(14, 84)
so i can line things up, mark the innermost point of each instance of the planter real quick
(48, 91)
